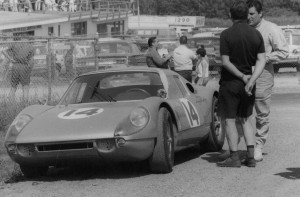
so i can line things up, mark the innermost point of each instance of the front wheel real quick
(162, 159)
(216, 135)
(33, 171)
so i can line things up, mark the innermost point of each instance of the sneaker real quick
(229, 162)
(249, 162)
(258, 154)
(224, 155)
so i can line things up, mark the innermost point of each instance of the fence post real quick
(96, 53)
(49, 66)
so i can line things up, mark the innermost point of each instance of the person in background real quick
(183, 59)
(202, 67)
(21, 54)
(241, 47)
(276, 49)
(153, 59)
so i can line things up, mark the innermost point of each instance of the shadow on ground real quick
(122, 170)
(215, 157)
(293, 173)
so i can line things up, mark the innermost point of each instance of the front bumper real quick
(101, 150)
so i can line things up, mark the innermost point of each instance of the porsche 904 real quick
(132, 114)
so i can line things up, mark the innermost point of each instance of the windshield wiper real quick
(104, 97)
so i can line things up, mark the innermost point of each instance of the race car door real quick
(192, 113)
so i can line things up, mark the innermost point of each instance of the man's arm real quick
(258, 69)
(159, 60)
(279, 45)
(232, 69)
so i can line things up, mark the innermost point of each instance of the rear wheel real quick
(216, 136)
(162, 159)
(33, 171)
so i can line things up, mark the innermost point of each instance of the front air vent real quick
(68, 146)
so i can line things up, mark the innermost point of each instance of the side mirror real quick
(162, 93)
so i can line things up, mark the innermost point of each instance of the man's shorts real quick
(234, 101)
(20, 73)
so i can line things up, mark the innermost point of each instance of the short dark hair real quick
(255, 3)
(239, 10)
(150, 41)
(201, 51)
(183, 40)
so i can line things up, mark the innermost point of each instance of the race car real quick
(132, 114)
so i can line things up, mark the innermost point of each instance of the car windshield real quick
(111, 48)
(117, 48)
(112, 87)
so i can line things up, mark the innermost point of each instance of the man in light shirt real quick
(276, 50)
(183, 59)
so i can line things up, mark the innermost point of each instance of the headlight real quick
(133, 123)
(21, 122)
(139, 117)
(16, 127)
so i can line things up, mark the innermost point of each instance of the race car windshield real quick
(114, 86)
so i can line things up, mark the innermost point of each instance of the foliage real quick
(214, 8)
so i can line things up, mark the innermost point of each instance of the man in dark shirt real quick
(153, 59)
(21, 53)
(241, 47)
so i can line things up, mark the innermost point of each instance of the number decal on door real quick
(191, 112)
(80, 113)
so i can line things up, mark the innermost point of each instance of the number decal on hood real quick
(80, 113)
(191, 112)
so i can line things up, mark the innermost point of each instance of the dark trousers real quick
(187, 74)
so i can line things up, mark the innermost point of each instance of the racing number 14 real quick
(190, 112)
(88, 112)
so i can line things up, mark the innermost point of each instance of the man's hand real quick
(246, 78)
(249, 87)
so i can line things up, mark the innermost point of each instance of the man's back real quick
(241, 43)
(183, 58)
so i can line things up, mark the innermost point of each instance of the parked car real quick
(117, 115)
(108, 53)
(293, 60)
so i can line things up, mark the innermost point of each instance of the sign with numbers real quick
(80, 113)
(191, 112)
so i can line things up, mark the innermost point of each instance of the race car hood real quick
(76, 122)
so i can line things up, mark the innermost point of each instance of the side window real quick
(174, 92)
(180, 86)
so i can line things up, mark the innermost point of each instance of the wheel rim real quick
(217, 124)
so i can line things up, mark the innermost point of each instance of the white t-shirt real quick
(201, 63)
(183, 57)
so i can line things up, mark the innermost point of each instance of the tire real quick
(33, 171)
(216, 135)
(162, 159)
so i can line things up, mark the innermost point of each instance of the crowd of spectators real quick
(44, 5)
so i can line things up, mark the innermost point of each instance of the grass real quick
(9, 170)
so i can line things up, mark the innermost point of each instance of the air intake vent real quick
(71, 146)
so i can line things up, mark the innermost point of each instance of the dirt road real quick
(195, 173)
